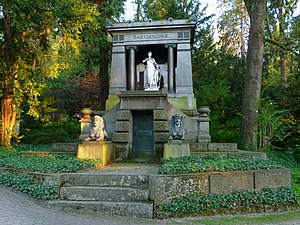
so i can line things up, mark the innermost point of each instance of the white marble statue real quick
(152, 72)
(97, 130)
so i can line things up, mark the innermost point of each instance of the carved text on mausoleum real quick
(149, 36)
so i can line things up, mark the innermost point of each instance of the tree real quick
(176, 9)
(252, 88)
(29, 53)
(233, 26)
(97, 48)
(279, 18)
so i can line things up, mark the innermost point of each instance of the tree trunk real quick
(8, 118)
(8, 108)
(103, 77)
(252, 88)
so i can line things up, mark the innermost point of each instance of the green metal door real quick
(143, 136)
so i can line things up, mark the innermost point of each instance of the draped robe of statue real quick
(152, 72)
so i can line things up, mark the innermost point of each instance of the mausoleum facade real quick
(151, 80)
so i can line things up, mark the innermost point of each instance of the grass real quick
(244, 219)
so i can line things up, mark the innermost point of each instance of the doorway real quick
(143, 136)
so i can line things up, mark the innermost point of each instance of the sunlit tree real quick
(33, 33)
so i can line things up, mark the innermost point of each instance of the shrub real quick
(195, 164)
(193, 203)
(62, 131)
(45, 164)
(27, 184)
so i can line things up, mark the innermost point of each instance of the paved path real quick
(18, 209)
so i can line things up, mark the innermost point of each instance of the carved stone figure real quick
(97, 130)
(153, 74)
(177, 131)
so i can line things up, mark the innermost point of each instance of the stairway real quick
(123, 195)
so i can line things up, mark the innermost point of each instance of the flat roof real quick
(151, 25)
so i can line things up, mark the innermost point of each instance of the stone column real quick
(118, 70)
(171, 67)
(131, 68)
(203, 125)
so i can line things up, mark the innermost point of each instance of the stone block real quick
(120, 137)
(161, 137)
(198, 147)
(227, 182)
(161, 126)
(103, 150)
(111, 102)
(107, 180)
(272, 178)
(122, 126)
(130, 209)
(123, 115)
(160, 114)
(222, 147)
(216, 154)
(69, 147)
(249, 154)
(106, 194)
(165, 188)
(176, 150)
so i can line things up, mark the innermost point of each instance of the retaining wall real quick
(164, 188)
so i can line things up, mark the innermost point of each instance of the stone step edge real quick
(138, 187)
(108, 194)
(106, 188)
(100, 180)
(130, 209)
(256, 155)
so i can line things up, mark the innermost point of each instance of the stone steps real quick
(107, 180)
(112, 194)
(132, 209)
(106, 194)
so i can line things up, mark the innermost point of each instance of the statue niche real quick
(97, 130)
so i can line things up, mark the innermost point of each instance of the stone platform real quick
(136, 190)
(223, 150)
(103, 150)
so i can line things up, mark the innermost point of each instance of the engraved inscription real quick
(149, 36)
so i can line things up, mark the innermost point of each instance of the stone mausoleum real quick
(138, 114)
(151, 80)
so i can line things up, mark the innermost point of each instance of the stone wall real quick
(165, 188)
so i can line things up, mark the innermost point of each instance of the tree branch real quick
(282, 46)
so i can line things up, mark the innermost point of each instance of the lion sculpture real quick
(97, 130)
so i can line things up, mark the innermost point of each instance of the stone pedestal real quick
(176, 148)
(85, 123)
(103, 150)
(203, 125)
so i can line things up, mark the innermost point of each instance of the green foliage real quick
(32, 50)
(195, 164)
(55, 132)
(193, 203)
(27, 184)
(281, 157)
(271, 125)
(32, 147)
(177, 9)
(45, 164)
